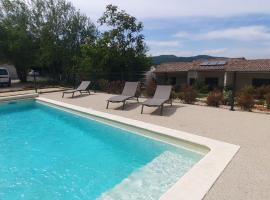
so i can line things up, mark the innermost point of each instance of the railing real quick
(45, 83)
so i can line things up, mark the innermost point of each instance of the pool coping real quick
(19, 96)
(200, 178)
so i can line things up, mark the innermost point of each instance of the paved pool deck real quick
(246, 177)
(5, 92)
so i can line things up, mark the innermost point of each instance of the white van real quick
(5, 77)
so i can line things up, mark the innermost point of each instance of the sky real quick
(231, 28)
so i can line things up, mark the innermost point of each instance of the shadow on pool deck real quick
(168, 110)
(128, 106)
(78, 95)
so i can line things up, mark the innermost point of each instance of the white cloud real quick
(165, 47)
(176, 8)
(255, 40)
(215, 52)
(250, 53)
(194, 9)
(245, 33)
(165, 43)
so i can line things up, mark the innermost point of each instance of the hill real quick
(156, 60)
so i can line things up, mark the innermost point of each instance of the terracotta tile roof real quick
(175, 67)
(259, 65)
(233, 64)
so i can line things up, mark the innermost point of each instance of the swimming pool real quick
(49, 153)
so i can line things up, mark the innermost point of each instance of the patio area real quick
(246, 176)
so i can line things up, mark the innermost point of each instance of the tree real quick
(17, 41)
(54, 36)
(62, 31)
(119, 50)
(47, 34)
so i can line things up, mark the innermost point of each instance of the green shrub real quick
(245, 98)
(215, 98)
(177, 88)
(248, 90)
(267, 100)
(262, 91)
(228, 88)
(260, 102)
(227, 97)
(103, 85)
(180, 95)
(202, 95)
(176, 92)
(188, 94)
(174, 95)
(201, 87)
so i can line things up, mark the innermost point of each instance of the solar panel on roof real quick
(222, 62)
(214, 63)
(205, 63)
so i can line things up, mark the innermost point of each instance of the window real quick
(211, 83)
(3, 72)
(257, 82)
(192, 81)
(172, 80)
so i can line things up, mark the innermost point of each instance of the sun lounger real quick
(82, 88)
(129, 92)
(161, 96)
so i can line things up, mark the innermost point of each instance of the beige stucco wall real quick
(181, 77)
(244, 79)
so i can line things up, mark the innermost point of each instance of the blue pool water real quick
(47, 153)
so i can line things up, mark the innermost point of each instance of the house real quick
(216, 73)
